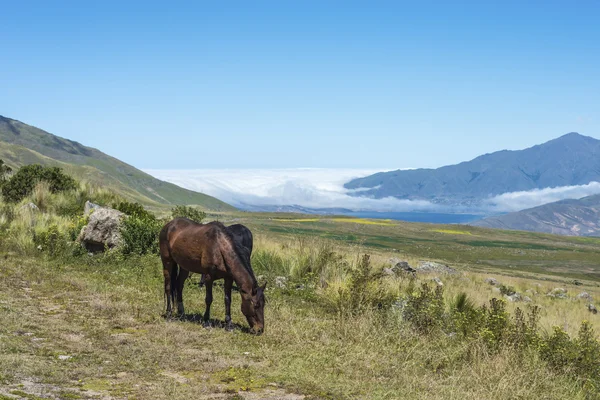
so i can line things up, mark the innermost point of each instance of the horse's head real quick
(253, 309)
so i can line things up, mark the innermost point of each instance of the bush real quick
(140, 235)
(188, 212)
(425, 309)
(22, 183)
(50, 240)
(140, 230)
(360, 292)
(133, 209)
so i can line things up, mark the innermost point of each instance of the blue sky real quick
(302, 84)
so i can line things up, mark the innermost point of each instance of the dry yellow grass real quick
(452, 231)
(296, 219)
(362, 221)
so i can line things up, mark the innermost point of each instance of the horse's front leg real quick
(228, 285)
(208, 300)
(183, 274)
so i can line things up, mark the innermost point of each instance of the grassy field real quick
(478, 249)
(75, 326)
(92, 328)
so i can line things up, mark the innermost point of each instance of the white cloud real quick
(515, 201)
(306, 187)
(323, 188)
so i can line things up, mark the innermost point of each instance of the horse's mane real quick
(245, 262)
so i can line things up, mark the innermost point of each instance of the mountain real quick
(571, 159)
(22, 144)
(566, 217)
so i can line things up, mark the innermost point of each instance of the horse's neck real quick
(243, 279)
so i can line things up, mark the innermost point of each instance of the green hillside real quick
(24, 144)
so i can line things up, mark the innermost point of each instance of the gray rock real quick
(584, 295)
(513, 297)
(399, 266)
(577, 282)
(280, 282)
(431, 266)
(531, 292)
(102, 230)
(261, 278)
(89, 207)
(496, 289)
(491, 281)
(388, 272)
(527, 299)
(558, 293)
(30, 206)
(592, 309)
(438, 281)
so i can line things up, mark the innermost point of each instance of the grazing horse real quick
(241, 236)
(209, 249)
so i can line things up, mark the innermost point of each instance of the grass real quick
(331, 332)
(106, 314)
(452, 231)
(109, 320)
(362, 221)
(297, 219)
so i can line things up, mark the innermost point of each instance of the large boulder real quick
(102, 230)
(434, 267)
(90, 207)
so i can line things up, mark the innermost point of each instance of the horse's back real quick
(242, 235)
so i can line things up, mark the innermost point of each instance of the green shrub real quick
(140, 230)
(524, 331)
(466, 318)
(188, 212)
(507, 290)
(50, 240)
(140, 235)
(22, 183)
(425, 309)
(133, 209)
(360, 290)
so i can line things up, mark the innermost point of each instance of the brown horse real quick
(242, 236)
(187, 246)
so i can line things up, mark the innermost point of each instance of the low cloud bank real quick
(516, 201)
(305, 187)
(324, 188)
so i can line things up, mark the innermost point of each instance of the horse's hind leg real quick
(181, 277)
(228, 285)
(169, 273)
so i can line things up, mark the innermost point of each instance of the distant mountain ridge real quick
(566, 217)
(24, 144)
(571, 159)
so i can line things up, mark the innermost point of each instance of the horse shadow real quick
(198, 318)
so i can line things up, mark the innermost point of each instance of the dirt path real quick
(63, 337)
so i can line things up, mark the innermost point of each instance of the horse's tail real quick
(174, 276)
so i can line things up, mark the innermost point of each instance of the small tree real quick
(188, 212)
(21, 184)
